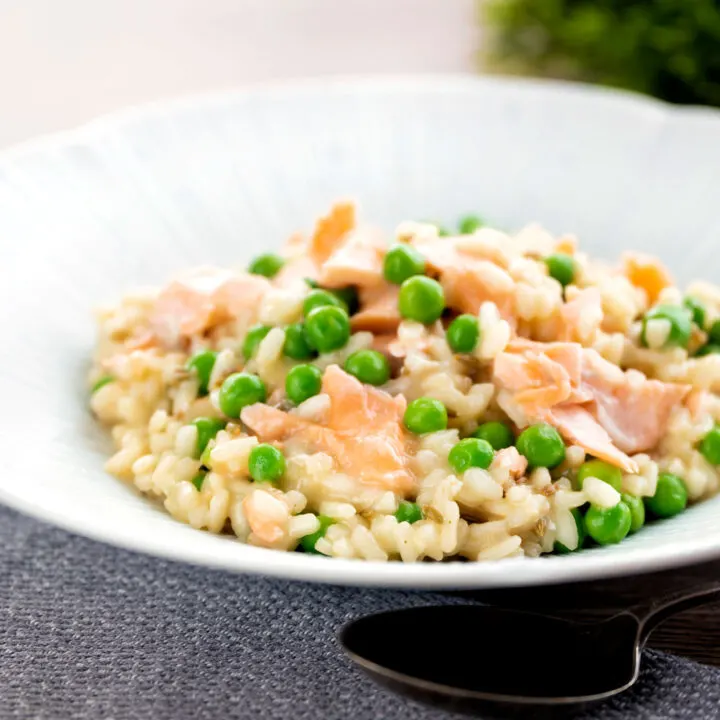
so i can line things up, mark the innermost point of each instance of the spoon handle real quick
(656, 611)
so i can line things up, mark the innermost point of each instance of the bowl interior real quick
(127, 200)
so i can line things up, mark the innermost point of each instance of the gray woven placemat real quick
(88, 631)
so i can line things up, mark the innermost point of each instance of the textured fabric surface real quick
(91, 632)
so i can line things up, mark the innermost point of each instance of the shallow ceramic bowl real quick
(129, 199)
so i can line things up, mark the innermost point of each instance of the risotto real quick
(476, 395)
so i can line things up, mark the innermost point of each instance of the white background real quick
(64, 61)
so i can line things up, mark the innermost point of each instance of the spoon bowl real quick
(469, 656)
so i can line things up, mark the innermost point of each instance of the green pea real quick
(408, 512)
(670, 496)
(327, 328)
(607, 526)
(498, 434)
(422, 299)
(602, 470)
(710, 446)
(303, 382)
(469, 224)
(205, 457)
(561, 549)
(268, 265)
(266, 463)
(463, 334)
(239, 390)
(368, 366)
(715, 332)
(637, 511)
(697, 309)
(102, 382)
(709, 349)
(541, 445)
(207, 429)
(680, 324)
(202, 364)
(402, 262)
(320, 298)
(311, 283)
(425, 415)
(470, 452)
(296, 344)
(198, 480)
(308, 542)
(254, 337)
(561, 267)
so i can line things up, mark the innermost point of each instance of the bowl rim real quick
(368, 82)
(515, 572)
(506, 573)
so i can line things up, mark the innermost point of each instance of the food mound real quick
(431, 395)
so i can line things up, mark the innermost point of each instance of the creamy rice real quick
(151, 400)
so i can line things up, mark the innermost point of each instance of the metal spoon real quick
(472, 658)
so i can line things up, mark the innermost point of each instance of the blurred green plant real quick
(666, 48)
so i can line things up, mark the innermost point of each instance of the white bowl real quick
(128, 199)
